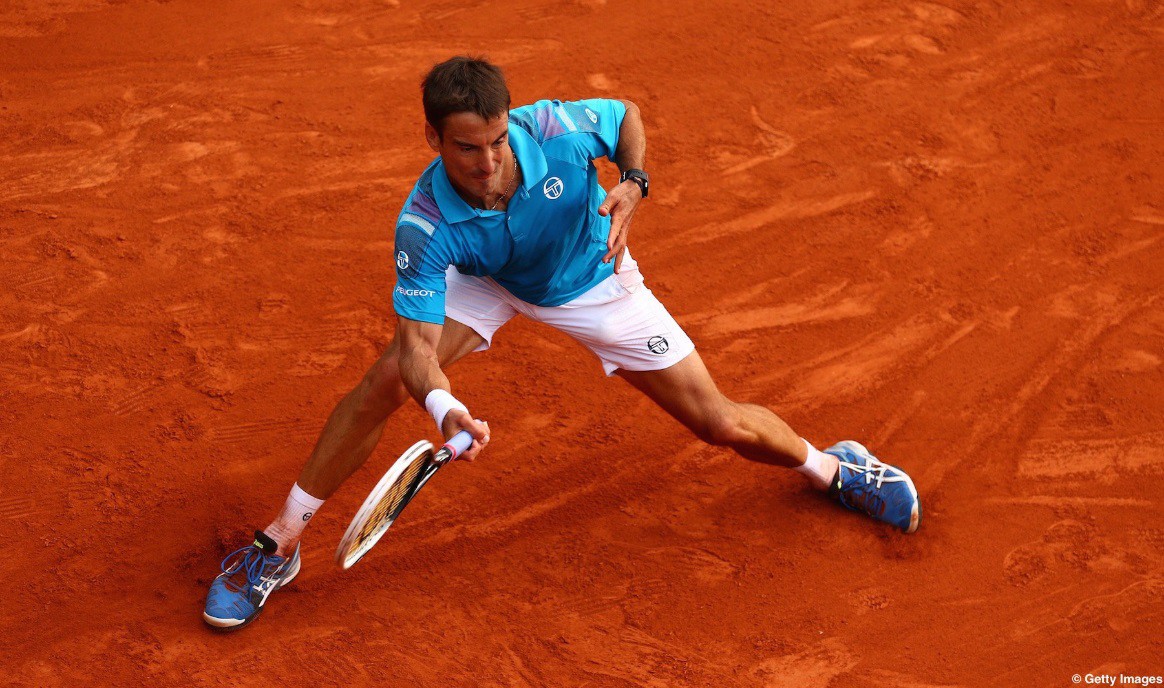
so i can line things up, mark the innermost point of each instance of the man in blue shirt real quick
(543, 241)
(511, 219)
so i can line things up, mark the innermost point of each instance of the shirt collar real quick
(533, 167)
(529, 156)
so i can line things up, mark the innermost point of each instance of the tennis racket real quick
(394, 491)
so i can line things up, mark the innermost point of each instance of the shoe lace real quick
(874, 474)
(252, 563)
(875, 470)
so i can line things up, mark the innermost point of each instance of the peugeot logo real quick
(552, 188)
(402, 260)
(657, 345)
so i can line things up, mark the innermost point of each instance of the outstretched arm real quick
(421, 373)
(420, 369)
(622, 201)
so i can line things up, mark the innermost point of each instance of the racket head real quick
(383, 504)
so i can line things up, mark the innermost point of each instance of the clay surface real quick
(933, 228)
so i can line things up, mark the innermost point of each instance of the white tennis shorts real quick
(619, 319)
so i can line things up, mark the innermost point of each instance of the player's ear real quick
(433, 137)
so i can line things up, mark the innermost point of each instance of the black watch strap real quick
(638, 177)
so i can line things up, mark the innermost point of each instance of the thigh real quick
(622, 322)
(475, 303)
(685, 390)
(457, 341)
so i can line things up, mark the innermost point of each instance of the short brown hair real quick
(464, 84)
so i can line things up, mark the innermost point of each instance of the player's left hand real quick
(620, 205)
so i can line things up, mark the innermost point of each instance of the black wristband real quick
(638, 177)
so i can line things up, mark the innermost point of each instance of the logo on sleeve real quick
(593, 117)
(415, 292)
(658, 345)
(553, 188)
(402, 260)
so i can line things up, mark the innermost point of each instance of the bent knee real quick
(722, 428)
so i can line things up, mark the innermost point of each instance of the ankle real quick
(286, 550)
(818, 467)
(288, 526)
(283, 537)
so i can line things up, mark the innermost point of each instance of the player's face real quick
(472, 149)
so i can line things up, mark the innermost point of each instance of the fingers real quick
(620, 208)
(617, 236)
(609, 206)
(616, 251)
(475, 448)
(479, 429)
(613, 199)
(457, 421)
(615, 241)
(471, 453)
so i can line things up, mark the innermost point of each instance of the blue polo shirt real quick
(546, 248)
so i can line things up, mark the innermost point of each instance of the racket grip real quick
(458, 444)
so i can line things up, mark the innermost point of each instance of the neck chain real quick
(507, 186)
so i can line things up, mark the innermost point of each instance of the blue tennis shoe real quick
(866, 484)
(249, 576)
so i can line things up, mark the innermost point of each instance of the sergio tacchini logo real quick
(552, 188)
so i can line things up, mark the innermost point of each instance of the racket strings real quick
(394, 498)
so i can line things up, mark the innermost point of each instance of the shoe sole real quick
(915, 512)
(227, 625)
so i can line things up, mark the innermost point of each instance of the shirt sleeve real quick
(421, 261)
(581, 129)
(601, 118)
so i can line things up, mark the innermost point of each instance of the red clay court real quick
(933, 228)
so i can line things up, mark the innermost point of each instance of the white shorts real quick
(619, 319)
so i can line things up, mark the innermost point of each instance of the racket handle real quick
(458, 444)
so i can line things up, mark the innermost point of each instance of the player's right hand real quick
(456, 421)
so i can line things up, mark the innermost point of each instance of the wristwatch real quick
(638, 177)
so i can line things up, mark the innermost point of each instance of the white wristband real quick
(439, 402)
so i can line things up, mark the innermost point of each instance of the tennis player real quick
(511, 219)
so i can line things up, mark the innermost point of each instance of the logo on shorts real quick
(593, 117)
(402, 260)
(552, 188)
(658, 345)
(307, 516)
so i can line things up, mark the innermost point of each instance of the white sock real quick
(297, 511)
(819, 467)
